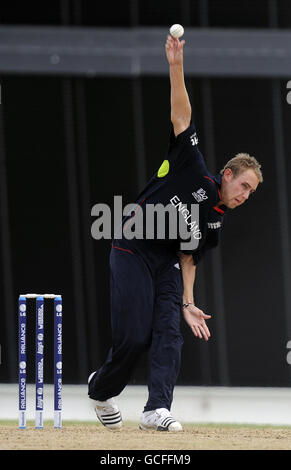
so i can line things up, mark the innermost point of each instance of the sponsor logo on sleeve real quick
(214, 225)
(194, 139)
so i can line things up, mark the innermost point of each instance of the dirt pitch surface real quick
(91, 436)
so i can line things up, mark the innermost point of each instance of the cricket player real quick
(152, 280)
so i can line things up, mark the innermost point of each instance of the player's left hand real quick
(195, 318)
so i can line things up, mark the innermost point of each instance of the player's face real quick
(236, 190)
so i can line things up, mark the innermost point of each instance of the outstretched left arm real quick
(194, 317)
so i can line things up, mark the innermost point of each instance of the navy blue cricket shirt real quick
(182, 180)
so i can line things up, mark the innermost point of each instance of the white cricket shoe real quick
(107, 411)
(91, 376)
(159, 420)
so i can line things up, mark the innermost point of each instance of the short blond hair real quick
(242, 162)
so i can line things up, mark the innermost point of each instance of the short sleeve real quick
(188, 136)
(184, 148)
(211, 242)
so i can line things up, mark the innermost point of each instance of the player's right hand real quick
(174, 50)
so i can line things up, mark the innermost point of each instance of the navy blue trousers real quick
(145, 315)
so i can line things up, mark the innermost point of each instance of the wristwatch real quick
(186, 305)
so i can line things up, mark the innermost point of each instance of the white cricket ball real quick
(176, 30)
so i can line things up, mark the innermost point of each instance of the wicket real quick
(39, 372)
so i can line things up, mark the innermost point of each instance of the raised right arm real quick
(180, 104)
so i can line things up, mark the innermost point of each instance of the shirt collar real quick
(221, 208)
(217, 178)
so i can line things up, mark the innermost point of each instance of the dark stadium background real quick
(68, 142)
